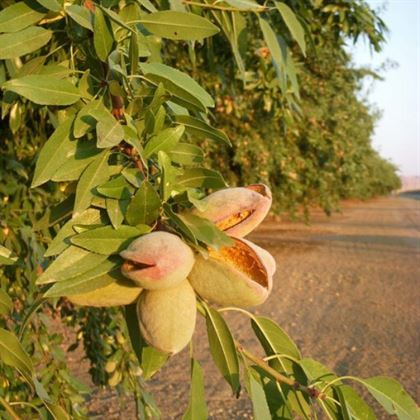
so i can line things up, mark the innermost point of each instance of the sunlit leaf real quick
(107, 240)
(44, 89)
(197, 407)
(179, 25)
(222, 348)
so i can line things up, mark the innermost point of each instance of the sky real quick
(397, 135)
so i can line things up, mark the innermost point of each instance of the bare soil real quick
(346, 290)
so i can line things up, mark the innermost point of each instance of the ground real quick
(346, 290)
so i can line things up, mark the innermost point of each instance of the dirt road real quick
(346, 290)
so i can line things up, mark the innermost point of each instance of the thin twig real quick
(312, 392)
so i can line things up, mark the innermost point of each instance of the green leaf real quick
(44, 89)
(168, 175)
(76, 163)
(245, 4)
(100, 276)
(165, 141)
(180, 225)
(13, 354)
(144, 206)
(206, 231)
(315, 371)
(393, 398)
(273, 339)
(133, 53)
(116, 210)
(109, 131)
(276, 53)
(201, 129)
(197, 407)
(23, 42)
(70, 263)
(173, 78)
(179, 25)
(18, 16)
(115, 18)
(6, 303)
(5, 256)
(103, 38)
(187, 154)
(81, 15)
(54, 153)
(107, 240)
(117, 187)
(85, 119)
(133, 176)
(293, 24)
(257, 394)
(222, 348)
(62, 241)
(352, 400)
(95, 174)
(52, 5)
(200, 178)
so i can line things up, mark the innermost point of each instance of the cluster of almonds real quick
(165, 274)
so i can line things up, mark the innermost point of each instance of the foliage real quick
(90, 102)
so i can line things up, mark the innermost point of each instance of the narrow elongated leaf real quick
(200, 178)
(144, 206)
(52, 5)
(116, 188)
(257, 394)
(245, 4)
(44, 89)
(273, 339)
(70, 263)
(76, 163)
(95, 174)
(103, 37)
(6, 256)
(18, 16)
(107, 240)
(165, 141)
(23, 42)
(201, 129)
(179, 25)
(222, 348)
(357, 406)
(5, 303)
(197, 407)
(180, 80)
(393, 398)
(62, 241)
(293, 24)
(85, 120)
(116, 210)
(13, 354)
(169, 174)
(109, 131)
(58, 148)
(81, 15)
(187, 154)
(273, 45)
(206, 231)
(100, 276)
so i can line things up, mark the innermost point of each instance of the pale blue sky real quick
(397, 136)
